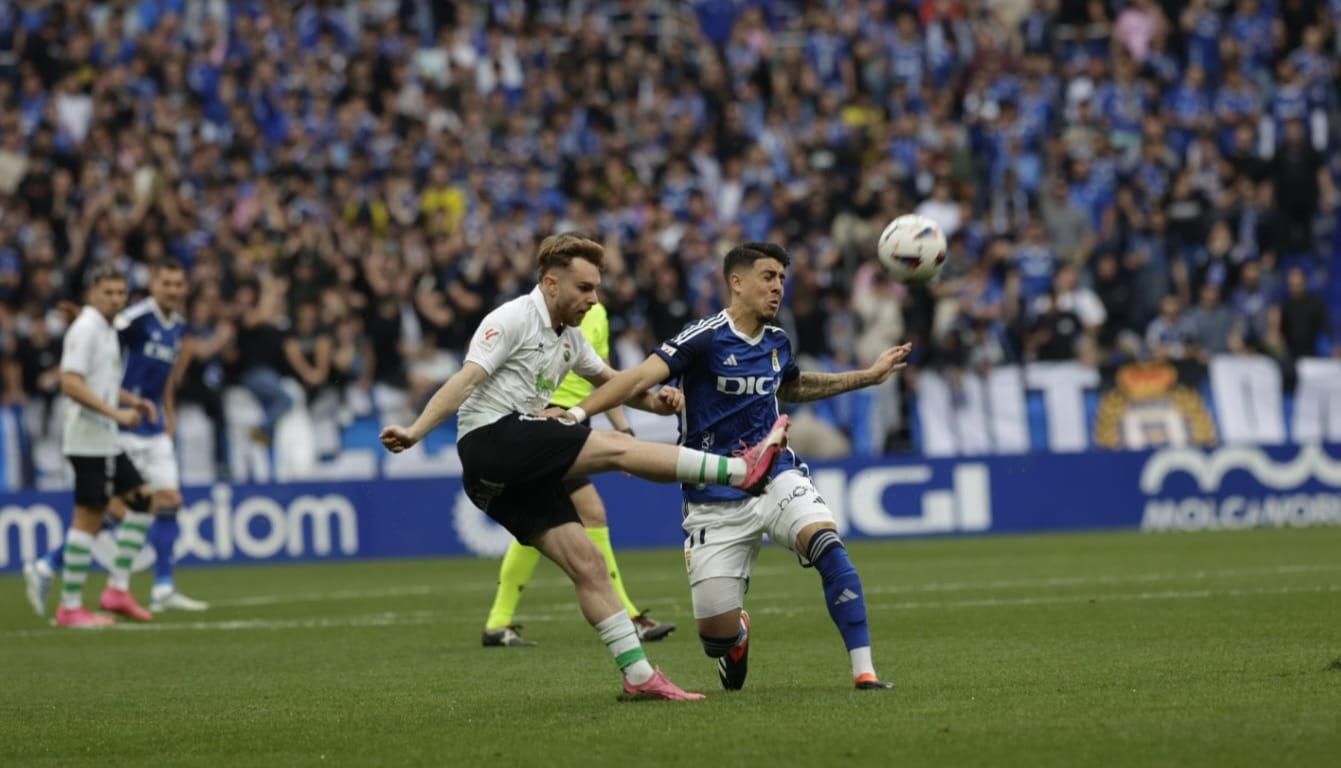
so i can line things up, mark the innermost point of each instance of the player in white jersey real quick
(152, 337)
(514, 460)
(734, 367)
(91, 380)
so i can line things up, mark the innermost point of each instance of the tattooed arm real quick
(817, 386)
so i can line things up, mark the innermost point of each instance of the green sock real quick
(130, 537)
(699, 468)
(621, 638)
(513, 575)
(601, 538)
(78, 555)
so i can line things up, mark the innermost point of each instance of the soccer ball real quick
(912, 248)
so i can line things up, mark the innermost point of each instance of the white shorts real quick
(153, 457)
(724, 537)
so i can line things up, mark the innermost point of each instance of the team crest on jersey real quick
(776, 365)
(567, 352)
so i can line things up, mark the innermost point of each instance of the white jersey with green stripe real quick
(526, 358)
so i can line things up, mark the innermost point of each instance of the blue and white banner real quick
(1011, 410)
(1168, 490)
(1067, 407)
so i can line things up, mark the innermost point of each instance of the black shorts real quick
(577, 482)
(572, 485)
(513, 470)
(99, 478)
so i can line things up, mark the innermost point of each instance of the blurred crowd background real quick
(352, 185)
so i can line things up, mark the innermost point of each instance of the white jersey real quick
(92, 350)
(525, 358)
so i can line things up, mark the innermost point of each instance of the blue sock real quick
(844, 597)
(56, 559)
(163, 538)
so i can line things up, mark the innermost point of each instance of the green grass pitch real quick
(1104, 649)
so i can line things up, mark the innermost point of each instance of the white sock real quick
(621, 638)
(698, 468)
(130, 537)
(78, 555)
(861, 661)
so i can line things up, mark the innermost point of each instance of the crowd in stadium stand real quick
(352, 185)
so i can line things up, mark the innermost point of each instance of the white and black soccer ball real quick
(912, 248)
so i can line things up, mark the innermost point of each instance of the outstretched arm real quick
(817, 386)
(625, 387)
(445, 402)
(664, 401)
(618, 420)
(616, 414)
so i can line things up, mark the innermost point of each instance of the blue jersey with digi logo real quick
(730, 385)
(150, 344)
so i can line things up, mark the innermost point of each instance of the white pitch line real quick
(424, 617)
(1012, 602)
(1004, 602)
(385, 619)
(553, 581)
(1081, 581)
(941, 586)
(319, 597)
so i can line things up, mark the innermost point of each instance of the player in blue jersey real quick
(733, 368)
(152, 336)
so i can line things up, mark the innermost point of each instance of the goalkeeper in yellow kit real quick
(520, 561)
